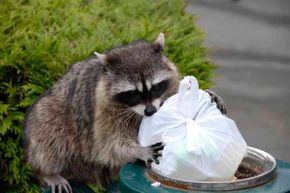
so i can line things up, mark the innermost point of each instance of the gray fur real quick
(76, 130)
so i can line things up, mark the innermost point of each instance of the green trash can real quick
(133, 179)
(274, 177)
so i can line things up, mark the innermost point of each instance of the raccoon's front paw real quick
(56, 182)
(153, 154)
(218, 100)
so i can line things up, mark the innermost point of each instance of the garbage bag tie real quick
(192, 135)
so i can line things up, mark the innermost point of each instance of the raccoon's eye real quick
(131, 98)
(158, 89)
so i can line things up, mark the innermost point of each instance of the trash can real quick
(275, 178)
(135, 178)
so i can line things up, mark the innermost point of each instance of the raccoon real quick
(85, 126)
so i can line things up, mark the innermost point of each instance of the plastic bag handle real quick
(187, 96)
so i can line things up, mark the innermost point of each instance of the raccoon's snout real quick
(150, 110)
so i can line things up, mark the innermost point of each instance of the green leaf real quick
(3, 109)
(5, 125)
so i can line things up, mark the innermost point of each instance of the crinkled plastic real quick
(200, 143)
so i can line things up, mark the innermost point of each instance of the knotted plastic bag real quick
(200, 142)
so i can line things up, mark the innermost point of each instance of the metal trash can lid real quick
(134, 179)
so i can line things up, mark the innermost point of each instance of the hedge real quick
(40, 38)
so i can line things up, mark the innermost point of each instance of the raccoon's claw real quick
(218, 100)
(157, 151)
(60, 187)
(157, 147)
(58, 183)
(152, 154)
(154, 159)
(148, 163)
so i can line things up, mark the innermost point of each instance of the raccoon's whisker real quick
(123, 113)
(135, 119)
(128, 111)
(129, 117)
(117, 117)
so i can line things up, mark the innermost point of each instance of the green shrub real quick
(40, 38)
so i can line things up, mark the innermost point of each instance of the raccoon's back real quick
(69, 102)
(77, 90)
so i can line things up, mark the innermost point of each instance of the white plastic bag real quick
(200, 142)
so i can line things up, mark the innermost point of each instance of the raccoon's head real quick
(140, 76)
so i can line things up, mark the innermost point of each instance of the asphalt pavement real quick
(250, 43)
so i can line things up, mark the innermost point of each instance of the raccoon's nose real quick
(150, 110)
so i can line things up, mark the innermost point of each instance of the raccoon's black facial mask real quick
(135, 97)
(130, 98)
(158, 89)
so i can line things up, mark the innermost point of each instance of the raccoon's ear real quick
(100, 56)
(159, 43)
(113, 59)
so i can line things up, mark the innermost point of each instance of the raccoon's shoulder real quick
(79, 86)
(90, 66)
(77, 75)
(83, 75)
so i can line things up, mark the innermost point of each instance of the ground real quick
(250, 42)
